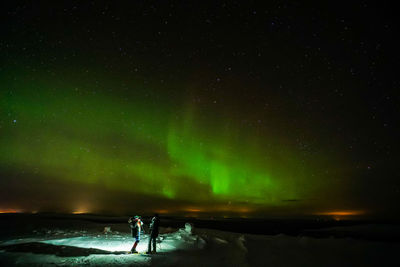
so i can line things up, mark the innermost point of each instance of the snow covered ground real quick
(199, 247)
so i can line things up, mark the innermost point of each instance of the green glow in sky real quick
(156, 146)
(259, 110)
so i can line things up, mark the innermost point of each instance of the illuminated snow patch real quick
(103, 243)
(166, 243)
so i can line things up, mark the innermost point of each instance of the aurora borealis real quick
(143, 147)
(166, 108)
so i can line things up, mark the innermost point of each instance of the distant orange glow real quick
(342, 213)
(193, 210)
(10, 211)
(192, 215)
(243, 210)
(80, 211)
(162, 211)
(82, 208)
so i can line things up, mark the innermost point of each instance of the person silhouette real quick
(154, 225)
(136, 227)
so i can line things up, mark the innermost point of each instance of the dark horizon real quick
(338, 216)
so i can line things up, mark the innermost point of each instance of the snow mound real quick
(220, 240)
(240, 243)
(188, 228)
(186, 240)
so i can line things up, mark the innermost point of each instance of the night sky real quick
(236, 108)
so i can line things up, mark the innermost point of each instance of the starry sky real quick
(226, 108)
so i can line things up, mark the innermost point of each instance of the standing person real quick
(136, 227)
(155, 223)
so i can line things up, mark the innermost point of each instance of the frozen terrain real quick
(189, 246)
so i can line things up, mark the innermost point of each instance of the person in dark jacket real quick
(136, 227)
(155, 223)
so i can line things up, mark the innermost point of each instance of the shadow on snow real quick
(58, 250)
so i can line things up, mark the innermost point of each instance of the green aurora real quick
(176, 149)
